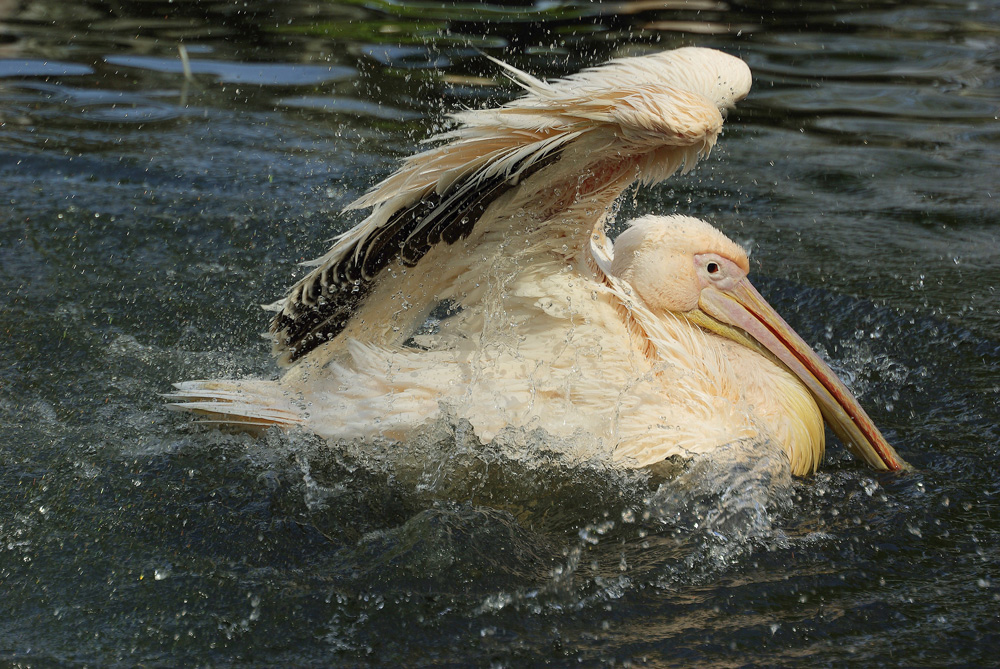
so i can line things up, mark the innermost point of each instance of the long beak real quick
(743, 307)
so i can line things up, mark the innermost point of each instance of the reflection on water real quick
(148, 213)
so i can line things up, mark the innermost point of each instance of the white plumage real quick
(482, 284)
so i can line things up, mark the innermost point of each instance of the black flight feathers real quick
(320, 308)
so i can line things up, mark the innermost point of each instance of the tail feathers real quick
(249, 404)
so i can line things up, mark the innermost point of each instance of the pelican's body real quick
(482, 285)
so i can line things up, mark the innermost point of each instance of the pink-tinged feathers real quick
(482, 285)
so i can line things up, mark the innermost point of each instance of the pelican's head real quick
(685, 266)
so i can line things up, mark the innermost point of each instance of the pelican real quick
(482, 284)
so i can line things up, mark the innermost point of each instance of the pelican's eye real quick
(712, 267)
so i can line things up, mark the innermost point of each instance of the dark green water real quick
(144, 217)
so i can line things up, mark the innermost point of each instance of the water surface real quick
(146, 215)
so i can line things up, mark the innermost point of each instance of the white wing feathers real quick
(662, 110)
(248, 403)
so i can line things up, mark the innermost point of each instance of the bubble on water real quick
(495, 602)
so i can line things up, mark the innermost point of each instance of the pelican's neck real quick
(779, 406)
(783, 405)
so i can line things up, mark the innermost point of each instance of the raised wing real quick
(660, 113)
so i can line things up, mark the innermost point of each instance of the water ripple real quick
(261, 74)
